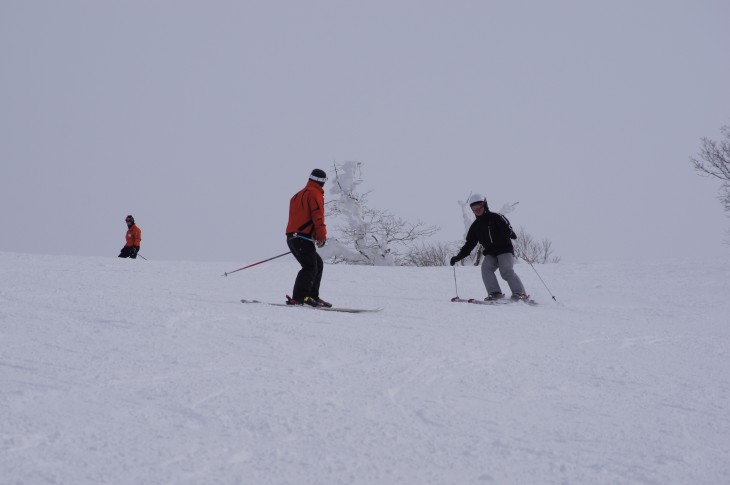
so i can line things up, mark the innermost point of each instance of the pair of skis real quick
(500, 301)
(322, 308)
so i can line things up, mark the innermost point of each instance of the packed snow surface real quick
(142, 372)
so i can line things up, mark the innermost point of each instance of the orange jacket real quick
(306, 212)
(134, 236)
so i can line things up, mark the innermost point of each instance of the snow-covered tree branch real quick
(366, 235)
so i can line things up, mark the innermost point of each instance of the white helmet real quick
(476, 198)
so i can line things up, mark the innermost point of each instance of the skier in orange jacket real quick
(306, 228)
(134, 240)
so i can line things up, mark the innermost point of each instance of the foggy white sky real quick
(203, 118)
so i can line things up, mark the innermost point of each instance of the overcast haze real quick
(203, 118)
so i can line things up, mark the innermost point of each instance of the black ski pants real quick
(309, 277)
(129, 252)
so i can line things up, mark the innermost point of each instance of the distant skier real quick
(495, 233)
(134, 240)
(306, 228)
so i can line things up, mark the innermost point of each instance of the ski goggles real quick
(318, 179)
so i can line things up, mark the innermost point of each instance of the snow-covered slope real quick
(143, 372)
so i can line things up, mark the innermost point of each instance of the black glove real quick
(453, 261)
(134, 251)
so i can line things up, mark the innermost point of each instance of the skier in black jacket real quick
(495, 234)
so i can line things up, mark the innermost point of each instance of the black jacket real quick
(493, 231)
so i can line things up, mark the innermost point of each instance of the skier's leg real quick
(506, 270)
(125, 252)
(489, 266)
(307, 256)
(314, 293)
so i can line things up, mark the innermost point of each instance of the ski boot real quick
(308, 300)
(322, 303)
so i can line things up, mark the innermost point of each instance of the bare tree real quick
(714, 161)
(532, 251)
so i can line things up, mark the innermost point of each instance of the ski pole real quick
(307, 239)
(141, 256)
(456, 287)
(304, 237)
(254, 264)
(543, 281)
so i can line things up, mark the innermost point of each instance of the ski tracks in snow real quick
(114, 371)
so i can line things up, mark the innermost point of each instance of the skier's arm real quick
(316, 209)
(469, 245)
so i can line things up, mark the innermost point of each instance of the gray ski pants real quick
(505, 262)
